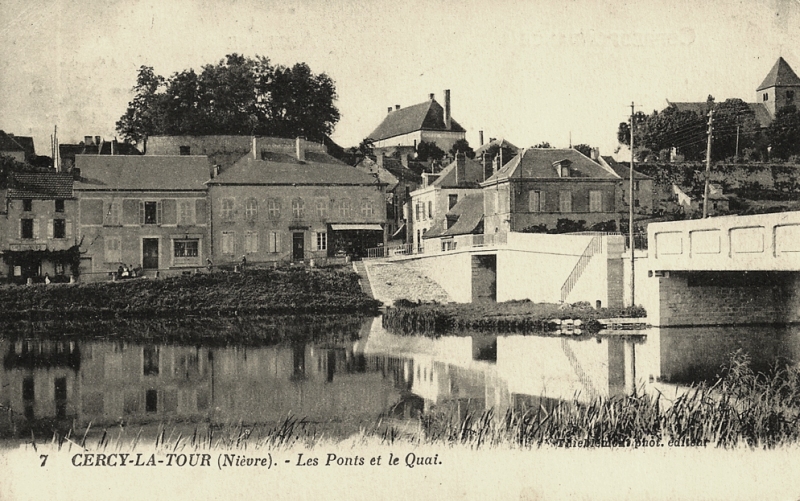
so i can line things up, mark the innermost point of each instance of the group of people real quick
(127, 271)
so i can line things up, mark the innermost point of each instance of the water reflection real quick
(48, 384)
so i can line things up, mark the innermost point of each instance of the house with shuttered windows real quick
(142, 211)
(37, 226)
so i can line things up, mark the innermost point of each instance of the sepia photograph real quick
(358, 249)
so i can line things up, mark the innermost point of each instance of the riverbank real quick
(434, 319)
(254, 292)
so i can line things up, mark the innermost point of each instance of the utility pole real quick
(708, 162)
(737, 138)
(630, 214)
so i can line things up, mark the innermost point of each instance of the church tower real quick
(780, 88)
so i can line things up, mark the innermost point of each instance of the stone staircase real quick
(366, 287)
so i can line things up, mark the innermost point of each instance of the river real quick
(350, 380)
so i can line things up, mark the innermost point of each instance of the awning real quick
(345, 227)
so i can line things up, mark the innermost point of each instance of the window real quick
(274, 208)
(452, 200)
(322, 208)
(151, 401)
(416, 211)
(151, 212)
(274, 242)
(27, 205)
(297, 208)
(59, 268)
(113, 249)
(186, 212)
(227, 209)
(59, 228)
(322, 241)
(636, 202)
(185, 150)
(535, 201)
(595, 201)
(60, 205)
(186, 248)
(366, 208)
(430, 209)
(344, 208)
(765, 96)
(636, 186)
(26, 228)
(790, 95)
(227, 242)
(251, 242)
(251, 209)
(565, 201)
(113, 214)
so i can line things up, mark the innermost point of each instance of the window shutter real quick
(20, 228)
(69, 229)
(542, 204)
(277, 242)
(49, 228)
(141, 212)
(159, 211)
(35, 228)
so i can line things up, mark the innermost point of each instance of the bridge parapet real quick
(764, 242)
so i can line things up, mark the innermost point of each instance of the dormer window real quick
(562, 168)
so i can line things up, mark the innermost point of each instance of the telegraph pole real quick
(630, 214)
(708, 162)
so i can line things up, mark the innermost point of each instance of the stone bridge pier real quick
(724, 271)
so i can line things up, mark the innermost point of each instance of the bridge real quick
(724, 270)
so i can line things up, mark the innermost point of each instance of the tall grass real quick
(434, 319)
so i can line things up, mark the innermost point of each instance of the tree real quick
(733, 119)
(429, 151)
(237, 96)
(543, 144)
(584, 148)
(462, 146)
(784, 132)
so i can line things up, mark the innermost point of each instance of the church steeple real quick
(779, 88)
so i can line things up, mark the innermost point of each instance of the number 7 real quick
(43, 457)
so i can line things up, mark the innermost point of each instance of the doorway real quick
(484, 278)
(150, 253)
(298, 246)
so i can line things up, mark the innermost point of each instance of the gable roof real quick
(283, 169)
(501, 142)
(40, 185)
(538, 163)
(473, 171)
(623, 169)
(780, 75)
(469, 211)
(142, 173)
(11, 143)
(423, 116)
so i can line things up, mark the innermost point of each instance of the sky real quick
(528, 71)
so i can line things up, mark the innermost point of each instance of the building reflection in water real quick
(381, 374)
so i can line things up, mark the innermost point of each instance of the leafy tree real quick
(429, 151)
(543, 144)
(784, 132)
(731, 118)
(584, 148)
(462, 146)
(10, 164)
(238, 95)
(493, 152)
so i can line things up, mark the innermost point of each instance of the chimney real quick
(447, 121)
(431, 96)
(404, 159)
(87, 140)
(379, 158)
(215, 171)
(254, 149)
(596, 154)
(97, 140)
(113, 143)
(480, 137)
(461, 168)
(389, 109)
(396, 106)
(300, 148)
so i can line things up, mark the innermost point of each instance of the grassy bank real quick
(433, 319)
(255, 292)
